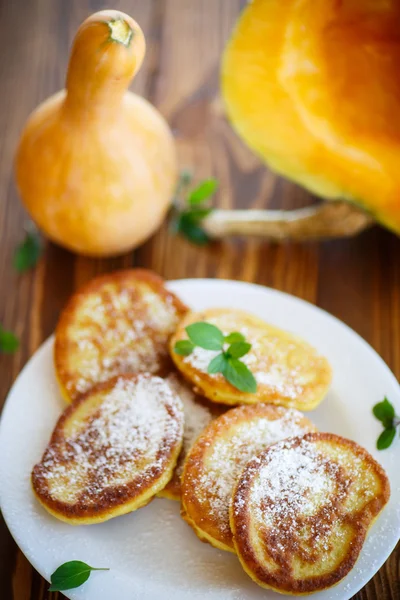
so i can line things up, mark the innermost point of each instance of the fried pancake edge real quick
(218, 390)
(117, 505)
(195, 459)
(240, 526)
(60, 350)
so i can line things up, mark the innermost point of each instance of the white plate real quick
(152, 553)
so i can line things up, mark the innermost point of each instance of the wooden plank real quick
(33, 70)
(357, 280)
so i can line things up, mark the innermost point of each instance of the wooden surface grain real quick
(358, 280)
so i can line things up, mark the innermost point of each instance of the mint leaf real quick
(218, 364)
(197, 214)
(238, 349)
(234, 337)
(71, 575)
(28, 252)
(184, 347)
(203, 191)
(9, 342)
(187, 215)
(205, 335)
(188, 226)
(386, 438)
(238, 375)
(384, 411)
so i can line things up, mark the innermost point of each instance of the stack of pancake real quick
(257, 479)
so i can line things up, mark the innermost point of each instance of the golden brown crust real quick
(215, 460)
(298, 376)
(96, 499)
(283, 546)
(85, 350)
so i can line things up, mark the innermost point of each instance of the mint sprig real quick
(385, 413)
(71, 575)
(9, 342)
(191, 207)
(232, 347)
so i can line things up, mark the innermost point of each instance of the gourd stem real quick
(107, 52)
(120, 31)
(326, 220)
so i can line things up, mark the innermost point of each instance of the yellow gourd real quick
(96, 164)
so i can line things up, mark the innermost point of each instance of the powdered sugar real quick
(197, 417)
(130, 354)
(295, 476)
(229, 454)
(295, 494)
(277, 376)
(201, 358)
(131, 433)
(115, 331)
(278, 362)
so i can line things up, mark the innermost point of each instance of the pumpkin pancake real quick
(117, 323)
(198, 413)
(215, 461)
(288, 370)
(301, 511)
(111, 451)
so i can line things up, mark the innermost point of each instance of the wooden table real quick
(358, 280)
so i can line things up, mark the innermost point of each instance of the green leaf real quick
(9, 342)
(28, 252)
(203, 191)
(187, 222)
(71, 575)
(218, 364)
(195, 215)
(238, 349)
(384, 412)
(184, 347)
(189, 227)
(240, 376)
(205, 335)
(234, 337)
(386, 438)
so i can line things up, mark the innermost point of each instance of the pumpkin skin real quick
(314, 89)
(96, 164)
